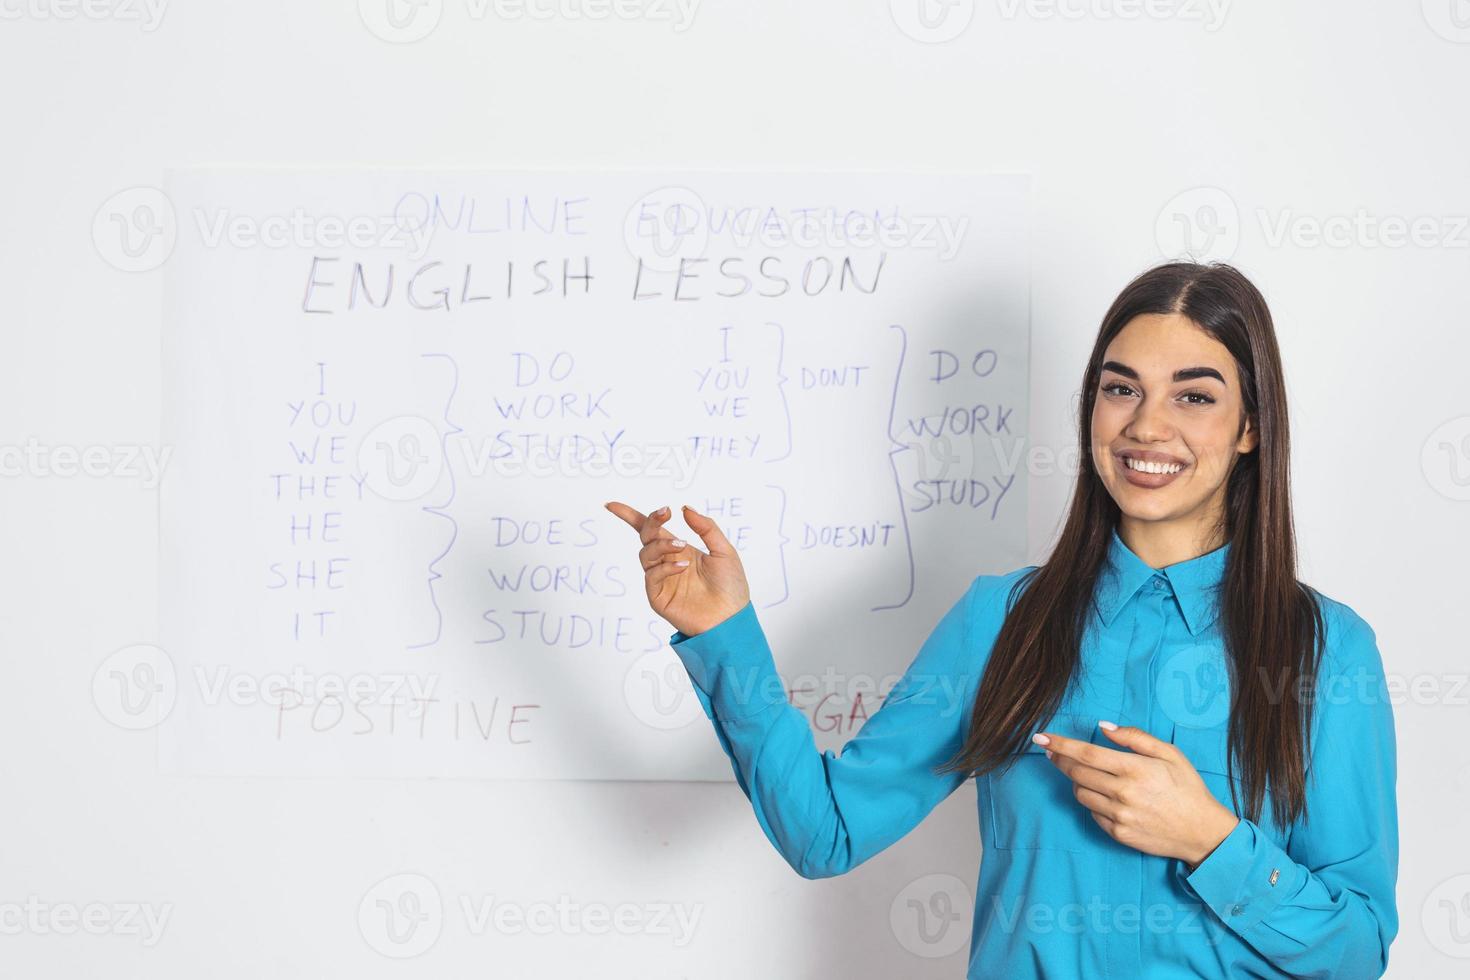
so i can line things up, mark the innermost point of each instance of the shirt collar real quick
(1195, 583)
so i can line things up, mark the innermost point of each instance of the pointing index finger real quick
(1095, 756)
(648, 527)
(626, 514)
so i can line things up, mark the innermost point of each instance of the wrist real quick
(1213, 833)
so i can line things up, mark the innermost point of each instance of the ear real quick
(1249, 438)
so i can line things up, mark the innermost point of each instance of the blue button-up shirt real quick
(1057, 897)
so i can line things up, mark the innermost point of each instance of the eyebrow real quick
(1183, 374)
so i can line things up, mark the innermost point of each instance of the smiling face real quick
(1167, 425)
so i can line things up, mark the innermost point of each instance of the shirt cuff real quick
(1244, 878)
(731, 666)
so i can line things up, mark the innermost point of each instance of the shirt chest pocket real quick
(1030, 803)
(1205, 748)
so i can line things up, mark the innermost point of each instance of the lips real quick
(1148, 456)
(1156, 461)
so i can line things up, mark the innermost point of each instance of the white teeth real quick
(1146, 467)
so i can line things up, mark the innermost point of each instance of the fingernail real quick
(1040, 739)
(1048, 753)
(1107, 724)
(681, 564)
(662, 510)
(677, 543)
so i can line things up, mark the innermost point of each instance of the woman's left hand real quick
(1150, 798)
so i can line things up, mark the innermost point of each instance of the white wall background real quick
(1342, 115)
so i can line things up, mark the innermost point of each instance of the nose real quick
(1150, 422)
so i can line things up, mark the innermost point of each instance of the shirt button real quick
(1236, 909)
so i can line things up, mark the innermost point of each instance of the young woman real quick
(1185, 758)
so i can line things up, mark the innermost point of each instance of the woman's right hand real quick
(701, 593)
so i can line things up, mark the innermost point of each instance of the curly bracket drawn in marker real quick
(899, 447)
(781, 380)
(438, 510)
(781, 541)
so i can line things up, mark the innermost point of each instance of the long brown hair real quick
(1271, 624)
